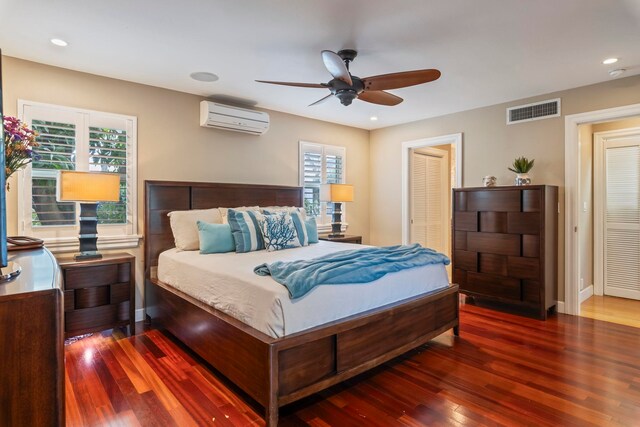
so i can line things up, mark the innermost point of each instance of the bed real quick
(277, 370)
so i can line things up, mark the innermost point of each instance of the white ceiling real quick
(489, 51)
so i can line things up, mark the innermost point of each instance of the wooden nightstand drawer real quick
(98, 294)
(85, 277)
(347, 238)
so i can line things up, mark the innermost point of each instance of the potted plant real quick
(521, 166)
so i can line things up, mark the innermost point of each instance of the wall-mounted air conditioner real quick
(227, 117)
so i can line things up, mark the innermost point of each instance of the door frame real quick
(442, 154)
(599, 186)
(454, 139)
(572, 259)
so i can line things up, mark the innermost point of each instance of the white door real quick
(430, 199)
(618, 200)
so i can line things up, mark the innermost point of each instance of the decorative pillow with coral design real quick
(279, 232)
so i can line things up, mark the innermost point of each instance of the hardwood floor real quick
(503, 370)
(611, 309)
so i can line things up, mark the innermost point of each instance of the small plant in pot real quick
(521, 166)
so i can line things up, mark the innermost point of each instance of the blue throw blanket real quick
(353, 266)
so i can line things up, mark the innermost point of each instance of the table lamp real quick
(88, 188)
(337, 194)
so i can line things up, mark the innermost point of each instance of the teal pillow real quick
(312, 230)
(215, 238)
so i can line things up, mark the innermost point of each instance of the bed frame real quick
(277, 371)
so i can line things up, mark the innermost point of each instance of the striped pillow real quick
(246, 231)
(298, 221)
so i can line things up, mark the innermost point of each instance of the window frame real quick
(65, 237)
(323, 220)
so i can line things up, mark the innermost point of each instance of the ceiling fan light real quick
(346, 97)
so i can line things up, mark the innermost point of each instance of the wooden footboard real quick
(276, 372)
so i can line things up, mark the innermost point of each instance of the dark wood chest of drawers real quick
(505, 244)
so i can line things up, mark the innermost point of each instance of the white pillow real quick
(225, 211)
(184, 225)
(274, 209)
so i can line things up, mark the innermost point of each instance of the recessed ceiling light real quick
(373, 118)
(610, 61)
(203, 76)
(59, 42)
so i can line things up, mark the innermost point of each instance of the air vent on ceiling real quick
(535, 111)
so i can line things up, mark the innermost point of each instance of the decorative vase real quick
(489, 181)
(523, 179)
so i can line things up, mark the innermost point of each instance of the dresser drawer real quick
(523, 268)
(493, 286)
(523, 223)
(497, 201)
(466, 260)
(494, 243)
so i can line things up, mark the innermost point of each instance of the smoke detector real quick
(617, 72)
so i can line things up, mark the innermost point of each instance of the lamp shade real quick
(336, 193)
(88, 187)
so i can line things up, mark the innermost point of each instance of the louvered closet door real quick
(429, 201)
(622, 217)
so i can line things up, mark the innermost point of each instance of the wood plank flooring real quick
(503, 370)
(611, 309)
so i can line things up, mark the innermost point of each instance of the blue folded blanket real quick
(352, 266)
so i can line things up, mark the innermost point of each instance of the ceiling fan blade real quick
(336, 66)
(399, 80)
(314, 85)
(380, 97)
(321, 100)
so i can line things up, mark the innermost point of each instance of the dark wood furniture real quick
(279, 371)
(98, 294)
(505, 245)
(347, 238)
(31, 343)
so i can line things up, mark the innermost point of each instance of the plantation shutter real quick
(56, 151)
(320, 164)
(312, 178)
(622, 218)
(83, 140)
(108, 153)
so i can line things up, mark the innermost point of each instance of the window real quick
(74, 139)
(320, 164)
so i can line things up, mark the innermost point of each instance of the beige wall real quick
(172, 145)
(489, 146)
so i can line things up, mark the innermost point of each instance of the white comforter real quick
(228, 283)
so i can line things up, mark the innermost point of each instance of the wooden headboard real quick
(162, 197)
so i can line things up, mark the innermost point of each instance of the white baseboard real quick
(560, 307)
(586, 293)
(139, 315)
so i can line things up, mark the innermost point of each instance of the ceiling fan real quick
(347, 87)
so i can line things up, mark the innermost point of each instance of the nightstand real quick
(99, 294)
(347, 238)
